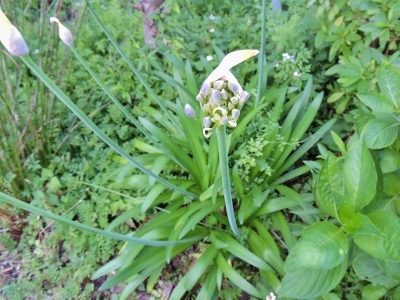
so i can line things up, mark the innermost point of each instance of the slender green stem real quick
(50, 215)
(226, 182)
(64, 98)
(261, 56)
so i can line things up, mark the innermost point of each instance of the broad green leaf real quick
(372, 292)
(389, 160)
(329, 191)
(306, 283)
(380, 133)
(369, 268)
(377, 102)
(322, 246)
(386, 244)
(391, 184)
(360, 176)
(391, 269)
(357, 223)
(389, 82)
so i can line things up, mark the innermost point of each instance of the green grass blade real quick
(117, 236)
(60, 94)
(262, 76)
(132, 67)
(226, 183)
(236, 278)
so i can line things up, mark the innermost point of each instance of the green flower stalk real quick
(11, 38)
(221, 96)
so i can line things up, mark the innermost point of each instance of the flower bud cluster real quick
(221, 101)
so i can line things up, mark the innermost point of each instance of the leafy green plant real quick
(180, 186)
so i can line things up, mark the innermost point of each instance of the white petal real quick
(236, 57)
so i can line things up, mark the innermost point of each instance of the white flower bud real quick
(223, 121)
(189, 111)
(224, 94)
(244, 96)
(11, 38)
(219, 84)
(205, 89)
(234, 87)
(232, 123)
(234, 100)
(207, 122)
(235, 113)
(63, 32)
(215, 98)
(199, 98)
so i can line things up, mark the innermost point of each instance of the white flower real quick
(285, 56)
(297, 74)
(271, 296)
(11, 38)
(63, 32)
(209, 57)
(211, 17)
(211, 30)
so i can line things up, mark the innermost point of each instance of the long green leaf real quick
(113, 235)
(226, 182)
(60, 94)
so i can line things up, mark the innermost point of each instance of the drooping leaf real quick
(380, 133)
(322, 246)
(389, 82)
(386, 244)
(360, 176)
(306, 283)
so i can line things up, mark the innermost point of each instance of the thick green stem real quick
(226, 182)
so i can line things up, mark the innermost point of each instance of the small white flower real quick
(211, 17)
(249, 22)
(277, 65)
(297, 74)
(36, 51)
(209, 57)
(211, 30)
(285, 56)
(271, 296)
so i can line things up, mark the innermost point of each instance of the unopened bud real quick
(189, 111)
(232, 123)
(207, 122)
(234, 100)
(219, 84)
(205, 89)
(224, 94)
(234, 87)
(63, 32)
(11, 38)
(223, 121)
(244, 96)
(235, 113)
(199, 98)
(215, 98)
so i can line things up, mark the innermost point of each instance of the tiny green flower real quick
(11, 38)
(63, 32)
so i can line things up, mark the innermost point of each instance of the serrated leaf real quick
(309, 283)
(380, 133)
(360, 176)
(369, 268)
(389, 82)
(329, 191)
(322, 246)
(386, 244)
(377, 102)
